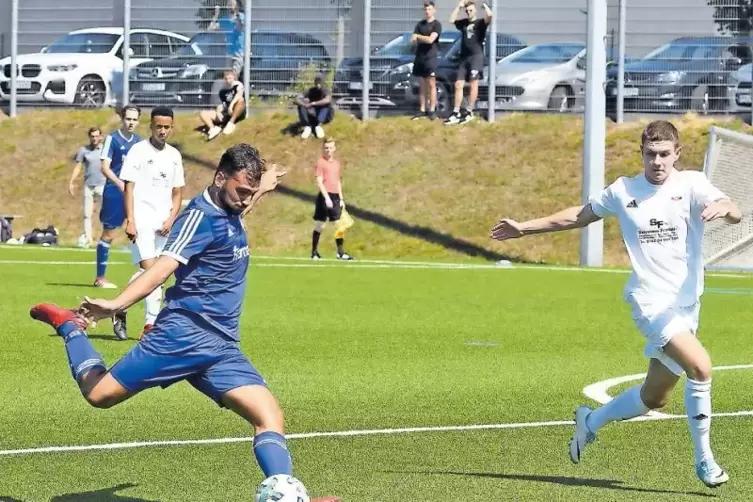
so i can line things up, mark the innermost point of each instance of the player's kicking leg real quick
(88, 368)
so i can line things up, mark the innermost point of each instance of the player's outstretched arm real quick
(572, 217)
(488, 14)
(151, 279)
(722, 209)
(269, 181)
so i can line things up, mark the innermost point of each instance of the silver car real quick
(738, 90)
(542, 77)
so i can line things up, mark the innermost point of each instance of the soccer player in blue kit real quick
(196, 336)
(112, 213)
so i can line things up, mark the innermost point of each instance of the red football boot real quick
(56, 316)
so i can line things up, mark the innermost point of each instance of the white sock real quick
(623, 407)
(153, 303)
(698, 408)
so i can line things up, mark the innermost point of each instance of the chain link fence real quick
(680, 55)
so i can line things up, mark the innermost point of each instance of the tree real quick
(734, 17)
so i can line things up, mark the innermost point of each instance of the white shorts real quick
(660, 325)
(148, 245)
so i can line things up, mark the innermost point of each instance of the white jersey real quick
(154, 174)
(663, 233)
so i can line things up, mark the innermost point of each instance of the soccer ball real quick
(281, 488)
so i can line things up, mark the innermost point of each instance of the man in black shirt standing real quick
(472, 36)
(426, 36)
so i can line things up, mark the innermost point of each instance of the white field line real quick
(370, 264)
(332, 434)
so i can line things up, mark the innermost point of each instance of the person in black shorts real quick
(426, 36)
(472, 37)
(329, 201)
(232, 108)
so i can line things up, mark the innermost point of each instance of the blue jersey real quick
(115, 149)
(212, 249)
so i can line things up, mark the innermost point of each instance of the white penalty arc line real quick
(599, 392)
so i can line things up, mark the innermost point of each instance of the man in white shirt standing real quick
(661, 213)
(154, 180)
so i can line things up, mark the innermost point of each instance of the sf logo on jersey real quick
(657, 223)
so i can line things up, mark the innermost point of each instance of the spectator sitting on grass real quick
(315, 108)
(232, 108)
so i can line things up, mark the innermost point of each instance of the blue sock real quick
(82, 356)
(103, 253)
(271, 452)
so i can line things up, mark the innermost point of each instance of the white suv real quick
(80, 68)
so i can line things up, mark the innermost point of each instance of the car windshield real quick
(547, 53)
(204, 44)
(683, 52)
(84, 43)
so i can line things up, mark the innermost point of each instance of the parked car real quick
(738, 90)
(689, 73)
(448, 70)
(542, 77)
(79, 68)
(193, 74)
(390, 65)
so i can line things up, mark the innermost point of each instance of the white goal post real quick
(729, 166)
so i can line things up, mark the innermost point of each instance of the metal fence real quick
(680, 55)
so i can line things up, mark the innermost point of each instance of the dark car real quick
(689, 73)
(448, 69)
(193, 74)
(390, 64)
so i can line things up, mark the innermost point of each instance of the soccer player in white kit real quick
(661, 213)
(154, 180)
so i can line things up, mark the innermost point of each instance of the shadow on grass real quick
(103, 495)
(96, 336)
(424, 233)
(606, 484)
(70, 284)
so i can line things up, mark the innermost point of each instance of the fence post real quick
(126, 51)
(366, 80)
(13, 58)
(592, 237)
(621, 62)
(247, 56)
(491, 99)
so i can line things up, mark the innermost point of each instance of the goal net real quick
(729, 166)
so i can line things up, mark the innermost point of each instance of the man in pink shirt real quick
(329, 201)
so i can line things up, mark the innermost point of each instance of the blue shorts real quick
(112, 214)
(182, 346)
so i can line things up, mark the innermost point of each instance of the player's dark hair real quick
(129, 107)
(242, 157)
(162, 111)
(429, 3)
(660, 130)
(469, 2)
(94, 129)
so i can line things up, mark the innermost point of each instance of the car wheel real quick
(699, 99)
(91, 92)
(561, 99)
